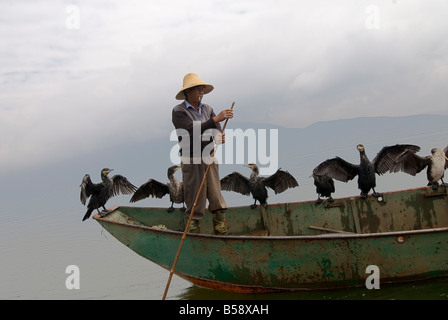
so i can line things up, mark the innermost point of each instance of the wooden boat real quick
(298, 245)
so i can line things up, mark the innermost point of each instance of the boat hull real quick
(243, 262)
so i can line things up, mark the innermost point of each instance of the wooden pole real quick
(184, 235)
(329, 230)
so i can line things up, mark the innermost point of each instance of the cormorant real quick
(256, 185)
(436, 163)
(100, 193)
(324, 187)
(158, 189)
(344, 171)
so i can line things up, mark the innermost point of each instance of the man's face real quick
(195, 94)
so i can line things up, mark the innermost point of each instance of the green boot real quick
(193, 227)
(220, 223)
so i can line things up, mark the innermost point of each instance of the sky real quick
(76, 76)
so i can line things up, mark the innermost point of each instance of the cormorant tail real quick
(87, 215)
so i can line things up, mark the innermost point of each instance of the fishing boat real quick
(298, 245)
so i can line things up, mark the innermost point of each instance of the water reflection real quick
(435, 289)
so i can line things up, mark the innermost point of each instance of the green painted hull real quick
(285, 247)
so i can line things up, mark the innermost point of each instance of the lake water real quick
(41, 234)
(36, 249)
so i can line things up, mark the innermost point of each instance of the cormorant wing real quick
(280, 181)
(236, 182)
(410, 163)
(151, 188)
(122, 185)
(87, 188)
(338, 169)
(385, 159)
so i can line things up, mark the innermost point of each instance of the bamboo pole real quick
(184, 235)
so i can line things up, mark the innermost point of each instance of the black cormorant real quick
(158, 189)
(436, 164)
(344, 171)
(100, 193)
(256, 185)
(324, 187)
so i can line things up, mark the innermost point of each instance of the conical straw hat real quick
(192, 80)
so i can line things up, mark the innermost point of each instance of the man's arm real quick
(181, 119)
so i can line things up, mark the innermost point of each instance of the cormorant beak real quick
(360, 147)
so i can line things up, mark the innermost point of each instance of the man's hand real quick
(223, 115)
(220, 138)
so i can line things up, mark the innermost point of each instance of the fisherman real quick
(198, 130)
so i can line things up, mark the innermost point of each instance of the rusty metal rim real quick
(307, 237)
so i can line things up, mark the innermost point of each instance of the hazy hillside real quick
(55, 188)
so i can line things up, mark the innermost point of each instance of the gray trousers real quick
(192, 175)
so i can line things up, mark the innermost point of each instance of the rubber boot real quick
(193, 227)
(219, 222)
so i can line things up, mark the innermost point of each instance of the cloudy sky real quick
(77, 75)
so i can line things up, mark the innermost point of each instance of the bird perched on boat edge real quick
(435, 165)
(158, 189)
(100, 193)
(324, 187)
(256, 185)
(339, 169)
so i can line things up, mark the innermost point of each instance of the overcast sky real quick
(75, 75)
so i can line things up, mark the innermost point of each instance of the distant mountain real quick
(55, 188)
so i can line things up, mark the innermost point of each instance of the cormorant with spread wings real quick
(344, 171)
(435, 165)
(100, 193)
(158, 189)
(256, 185)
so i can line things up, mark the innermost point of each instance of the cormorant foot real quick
(319, 201)
(330, 199)
(253, 206)
(183, 209)
(377, 195)
(104, 213)
(170, 209)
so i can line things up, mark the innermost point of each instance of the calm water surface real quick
(41, 233)
(35, 250)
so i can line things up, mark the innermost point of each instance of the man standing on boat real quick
(197, 126)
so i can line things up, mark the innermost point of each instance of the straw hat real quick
(192, 80)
